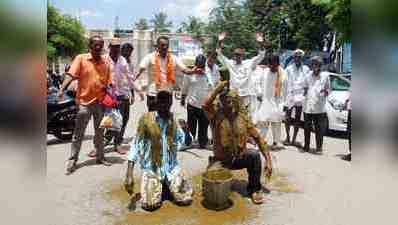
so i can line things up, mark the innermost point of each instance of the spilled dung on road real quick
(242, 209)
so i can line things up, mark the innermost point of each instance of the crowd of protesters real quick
(257, 97)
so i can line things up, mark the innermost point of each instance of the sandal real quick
(121, 150)
(258, 197)
(151, 207)
(92, 154)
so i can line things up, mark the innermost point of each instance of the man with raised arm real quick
(240, 69)
(232, 127)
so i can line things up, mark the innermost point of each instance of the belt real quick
(122, 97)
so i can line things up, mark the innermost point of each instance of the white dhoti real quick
(152, 185)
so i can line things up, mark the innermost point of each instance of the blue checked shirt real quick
(141, 152)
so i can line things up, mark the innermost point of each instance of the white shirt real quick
(213, 75)
(148, 63)
(271, 107)
(131, 66)
(256, 79)
(198, 87)
(240, 74)
(295, 84)
(315, 100)
(268, 81)
(122, 76)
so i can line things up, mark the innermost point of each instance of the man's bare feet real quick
(258, 197)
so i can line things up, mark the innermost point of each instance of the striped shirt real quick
(141, 152)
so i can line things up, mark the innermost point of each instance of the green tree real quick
(193, 26)
(65, 35)
(233, 17)
(292, 23)
(142, 24)
(340, 19)
(160, 23)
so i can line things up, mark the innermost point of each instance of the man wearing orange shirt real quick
(93, 72)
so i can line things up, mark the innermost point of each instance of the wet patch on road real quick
(280, 182)
(241, 211)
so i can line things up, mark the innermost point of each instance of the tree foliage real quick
(288, 24)
(233, 17)
(340, 19)
(160, 23)
(193, 26)
(292, 23)
(142, 24)
(65, 35)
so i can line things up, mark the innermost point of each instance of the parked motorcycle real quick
(61, 115)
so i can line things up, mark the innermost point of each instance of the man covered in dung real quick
(155, 149)
(232, 127)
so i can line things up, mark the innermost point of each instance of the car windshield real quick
(339, 84)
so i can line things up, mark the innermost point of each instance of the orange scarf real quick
(170, 70)
(278, 83)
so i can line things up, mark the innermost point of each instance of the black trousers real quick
(293, 121)
(197, 118)
(124, 108)
(349, 130)
(251, 160)
(151, 103)
(318, 120)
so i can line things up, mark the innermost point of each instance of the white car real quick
(337, 113)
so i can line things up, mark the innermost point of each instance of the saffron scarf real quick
(170, 70)
(279, 80)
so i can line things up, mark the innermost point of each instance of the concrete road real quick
(308, 189)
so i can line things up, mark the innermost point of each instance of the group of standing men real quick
(239, 110)
(271, 94)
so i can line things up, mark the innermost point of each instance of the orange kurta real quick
(93, 78)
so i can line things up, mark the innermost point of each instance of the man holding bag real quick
(123, 83)
(93, 71)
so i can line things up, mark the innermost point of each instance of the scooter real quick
(61, 115)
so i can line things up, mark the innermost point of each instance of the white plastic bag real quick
(112, 120)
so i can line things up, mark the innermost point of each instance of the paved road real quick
(310, 189)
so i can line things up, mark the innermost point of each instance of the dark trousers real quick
(197, 118)
(293, 121)
(349, 129)
(82, 118)
(251, 160)
(151, 103)
(124, 109)
(318, 120)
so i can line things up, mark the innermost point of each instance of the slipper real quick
(258, 197)
(92, 154)
(150, 208)
(122, 150)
